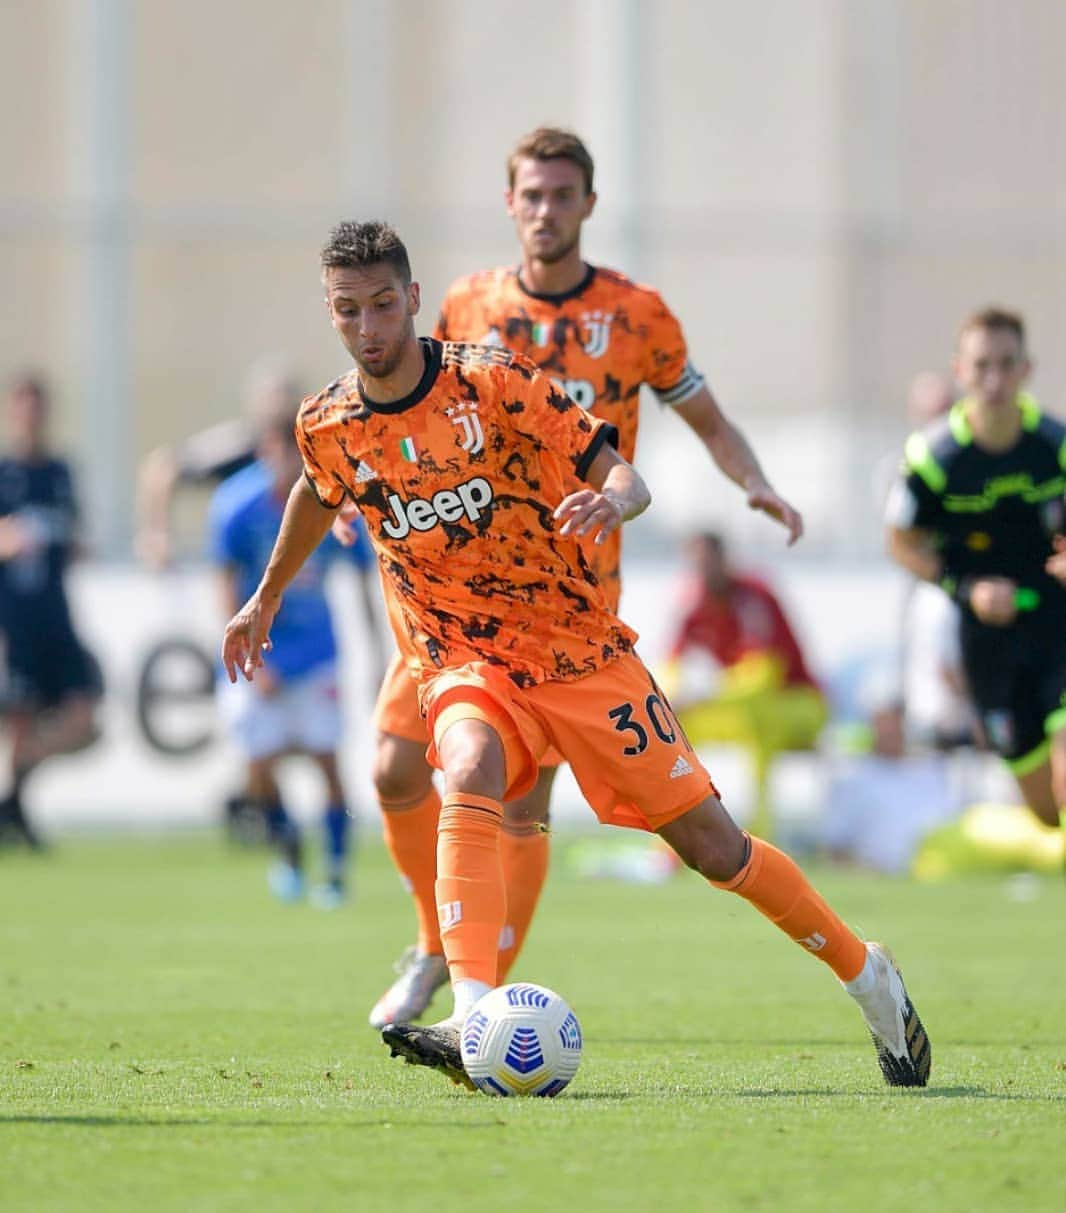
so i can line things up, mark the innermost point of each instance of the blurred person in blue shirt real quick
(295, 709)
(52, 683)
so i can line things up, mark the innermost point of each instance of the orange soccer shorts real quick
(396, 710)
(634, 765)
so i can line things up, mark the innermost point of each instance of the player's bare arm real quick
(992, 599)
(1056, 562)
(303, 527)
(731, 452)
(616, 495)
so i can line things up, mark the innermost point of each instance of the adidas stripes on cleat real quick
(903, 1049)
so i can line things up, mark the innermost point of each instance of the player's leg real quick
(487, 745)
(410, 809)
(632, 761)
(1058, 770)
(286, 875)
(258, 726)
(708, 841)
(21, 730)
(524, 853)
(337, 834)
(470, 889)
(314, 727)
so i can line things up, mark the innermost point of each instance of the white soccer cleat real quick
(903, 1049)
(421, 976)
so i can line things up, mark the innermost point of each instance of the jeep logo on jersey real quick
(465, 417)
(597, 328)
(467, 500)
(580, 391)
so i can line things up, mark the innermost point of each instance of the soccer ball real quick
(521, 1039)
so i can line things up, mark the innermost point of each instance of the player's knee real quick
(715, 858)
(401, 774)
(708, 841)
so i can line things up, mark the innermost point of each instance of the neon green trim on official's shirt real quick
(1031, 761)
(959, 423)
(1056, 721)
(920, 460)
(1062, 455)
(1029, 410)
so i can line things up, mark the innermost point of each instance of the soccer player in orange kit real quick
(599, 336)
(478, 532)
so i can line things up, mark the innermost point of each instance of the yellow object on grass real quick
(991, 838)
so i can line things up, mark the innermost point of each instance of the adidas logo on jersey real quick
(469, 500)
(680, 767)
(364, 472)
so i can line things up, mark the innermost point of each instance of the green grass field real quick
(172, 1039)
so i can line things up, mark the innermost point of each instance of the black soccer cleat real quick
(435, 1046)
(903, 1049)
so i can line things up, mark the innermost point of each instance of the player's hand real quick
(762, 497)
(343, 525)
(992, 600)
(588, 513)
(1056, 563)
(247, 637)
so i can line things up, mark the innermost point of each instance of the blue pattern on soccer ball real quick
(527, 996)
(491, 1086)
(570, 1032)
(524, 1054)
(476, 1024)
(554, 1087)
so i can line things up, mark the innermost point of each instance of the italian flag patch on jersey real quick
(408, 450)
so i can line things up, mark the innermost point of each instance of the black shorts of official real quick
(47, 665)
(1017, 677)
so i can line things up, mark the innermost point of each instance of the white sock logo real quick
(814, 942)
(450, 914)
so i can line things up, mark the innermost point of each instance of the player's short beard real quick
(393, 358)
(558, 254)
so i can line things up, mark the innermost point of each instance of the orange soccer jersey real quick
(457, 483)
(599, 342)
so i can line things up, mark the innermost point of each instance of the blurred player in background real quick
(53, 682)
(599, 336)
(766, 698)
(981, 510)
(508, 632)
(295, 707)
(270, 397)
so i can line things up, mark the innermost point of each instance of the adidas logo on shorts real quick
(680, 767)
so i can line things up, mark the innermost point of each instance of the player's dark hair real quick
(359, 245)
(551, 143)
(995, 319)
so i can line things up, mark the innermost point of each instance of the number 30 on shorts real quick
(657, 713)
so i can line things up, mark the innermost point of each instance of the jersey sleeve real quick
(914, 501)
(546, 415)
(667, 370)
(325, 485)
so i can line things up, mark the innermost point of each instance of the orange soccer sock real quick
(471, 902)
(776, 887)
(524, 853)
(411, 837)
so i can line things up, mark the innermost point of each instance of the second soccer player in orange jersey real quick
(600, 337)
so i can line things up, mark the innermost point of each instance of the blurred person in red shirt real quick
(765, 697)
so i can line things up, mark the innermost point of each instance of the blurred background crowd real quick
(820, 190)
